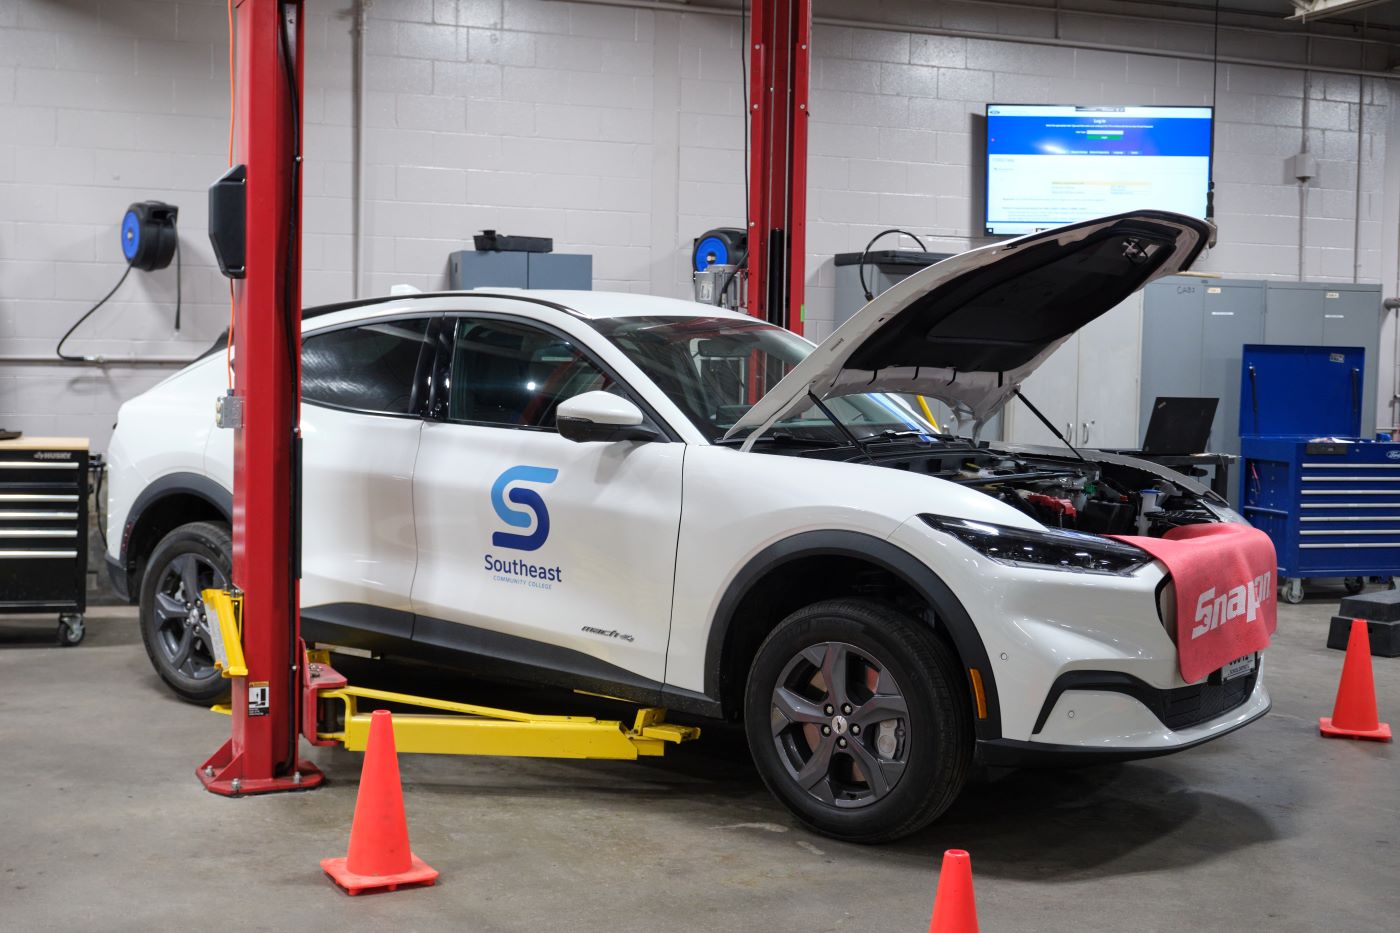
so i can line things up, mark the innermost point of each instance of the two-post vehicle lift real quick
(280, 692)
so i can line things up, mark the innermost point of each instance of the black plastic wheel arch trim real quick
(908, 568)
(192, 484)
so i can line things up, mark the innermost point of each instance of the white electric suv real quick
(674, 504)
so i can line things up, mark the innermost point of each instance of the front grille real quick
(1189, 706)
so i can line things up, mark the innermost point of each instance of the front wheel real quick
(174, 622)
(858, 720)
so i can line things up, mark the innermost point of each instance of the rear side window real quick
(515, 375)
(370, 368)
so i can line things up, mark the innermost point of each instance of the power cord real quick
(739, 263)
(179, 289)
(97, 465)
(865, 253)
(58, 350)
(179, 301)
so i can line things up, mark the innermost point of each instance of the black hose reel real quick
(148, 235)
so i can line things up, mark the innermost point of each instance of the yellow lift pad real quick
(468, 729)
(332, 715)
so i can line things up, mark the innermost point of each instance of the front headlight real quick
(1051, 549)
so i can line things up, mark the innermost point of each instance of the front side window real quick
(370, 367)
(512, 374)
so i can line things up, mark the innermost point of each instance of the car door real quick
(527, 535)
(363, 392)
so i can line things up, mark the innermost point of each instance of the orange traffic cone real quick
(954, 907)
(379, 855)
(1354, 714)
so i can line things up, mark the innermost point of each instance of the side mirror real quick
(601, 416)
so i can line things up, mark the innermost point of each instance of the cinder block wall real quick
(616, 130)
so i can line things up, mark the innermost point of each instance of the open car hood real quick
(969, 330)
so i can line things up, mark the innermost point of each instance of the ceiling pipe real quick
(670, 6)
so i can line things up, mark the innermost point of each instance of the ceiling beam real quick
(1305, 10)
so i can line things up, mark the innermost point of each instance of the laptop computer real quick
(1179, 426)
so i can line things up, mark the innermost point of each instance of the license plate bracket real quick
(1240, 667)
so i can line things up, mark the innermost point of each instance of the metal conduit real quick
(670, 6)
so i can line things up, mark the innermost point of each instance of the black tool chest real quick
(43, 529)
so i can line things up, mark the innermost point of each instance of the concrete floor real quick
(104, 827)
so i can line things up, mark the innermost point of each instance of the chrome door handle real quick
(1069, 430)
(1085, 441)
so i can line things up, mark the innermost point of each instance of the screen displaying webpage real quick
(1053, 165)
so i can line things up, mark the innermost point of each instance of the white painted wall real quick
(617, 131)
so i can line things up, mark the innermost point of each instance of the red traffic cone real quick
(379, 855)
(954, 907)
(1354, 714)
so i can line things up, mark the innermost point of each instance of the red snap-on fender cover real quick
(1226, 606)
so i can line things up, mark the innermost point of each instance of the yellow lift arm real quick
(331, 713)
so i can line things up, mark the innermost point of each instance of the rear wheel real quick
(858, 721)
(174, 622)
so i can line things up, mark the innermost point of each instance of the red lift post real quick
(780, 40)
(262, 754)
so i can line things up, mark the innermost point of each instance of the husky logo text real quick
(521, 517)
(1242, 601)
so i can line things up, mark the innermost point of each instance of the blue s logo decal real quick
(521, 496)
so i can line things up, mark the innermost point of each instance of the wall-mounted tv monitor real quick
(1051, 165)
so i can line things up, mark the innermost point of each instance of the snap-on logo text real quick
(1213, 611)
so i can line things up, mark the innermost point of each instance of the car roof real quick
(585, 304)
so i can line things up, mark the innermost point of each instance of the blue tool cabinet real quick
(1329, 499)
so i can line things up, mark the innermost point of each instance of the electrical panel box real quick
(468, 269)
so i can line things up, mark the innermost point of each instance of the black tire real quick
(925, 758)
(208, 549)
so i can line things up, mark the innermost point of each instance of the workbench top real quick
(34, 442)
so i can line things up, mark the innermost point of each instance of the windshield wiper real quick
(891, 435)
(1053, 430)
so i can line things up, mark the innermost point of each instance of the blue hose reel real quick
(723, 246)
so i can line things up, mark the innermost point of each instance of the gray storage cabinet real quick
(479, 269)
(1194, 330)
(883, 268)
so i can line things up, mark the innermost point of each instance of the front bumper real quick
(1082, 664)
(1011, 753)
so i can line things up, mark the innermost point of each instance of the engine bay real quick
(1087, 495)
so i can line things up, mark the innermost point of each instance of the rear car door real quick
(364, 391)
(560, 555)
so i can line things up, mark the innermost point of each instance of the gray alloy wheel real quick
(174, 621)
(841, 725)
(182, 623)
(859, 719)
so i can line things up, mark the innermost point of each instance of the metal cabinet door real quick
(1171, 342)
(1054, 389)
(1294, 314)
(1109, 366)
(1234, 316)
(1351, 317)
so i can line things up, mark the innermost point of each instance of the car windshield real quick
(715, 368)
